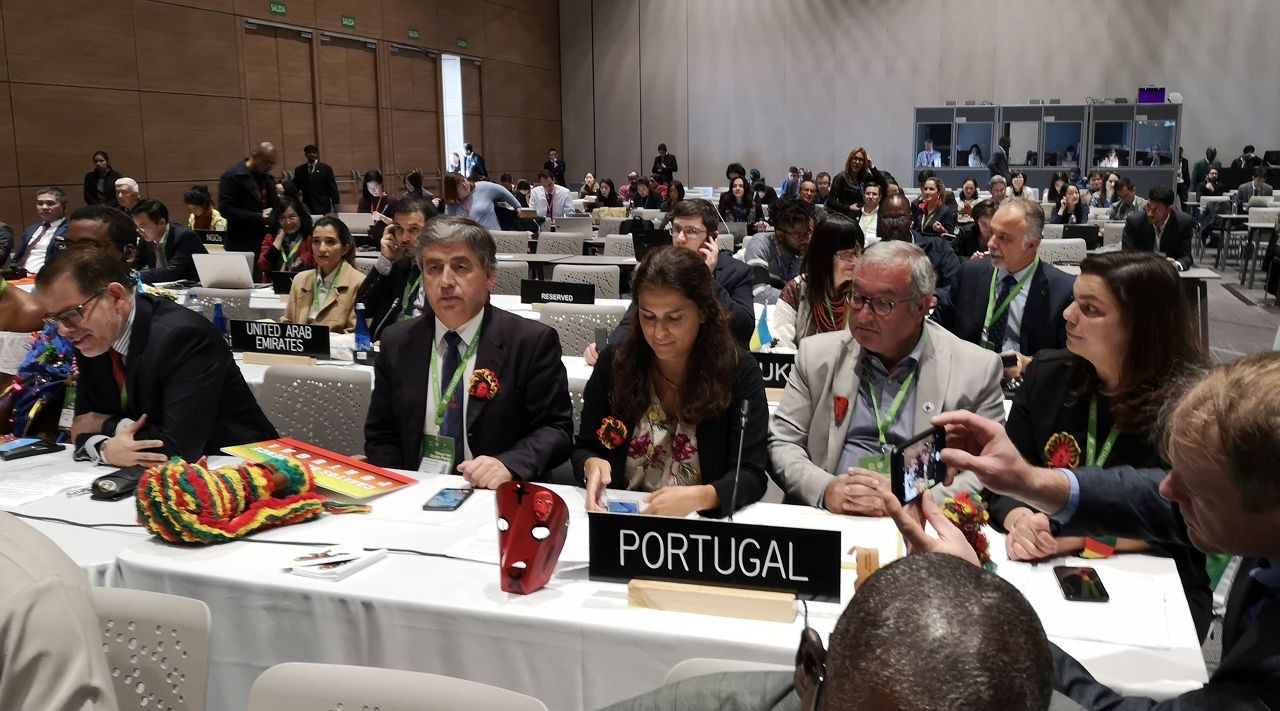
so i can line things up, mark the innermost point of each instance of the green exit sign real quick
(414, 33)
(278, 9)
(462, 43)
(349, 21)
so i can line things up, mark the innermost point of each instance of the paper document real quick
(19, 489)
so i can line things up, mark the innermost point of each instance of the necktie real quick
(117, 372)
(995, 333)
(550, 203)
(452, 424)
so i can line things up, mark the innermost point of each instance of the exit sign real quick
(349, 21)
(462, 43)
(414, 33)
(278, 9)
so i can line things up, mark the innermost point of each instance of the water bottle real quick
(220, 321)
(364, 344)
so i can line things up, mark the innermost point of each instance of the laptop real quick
(1091, 234)
(226, 270)
(646, 241)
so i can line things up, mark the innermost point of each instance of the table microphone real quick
(737, 469)
(395, 307)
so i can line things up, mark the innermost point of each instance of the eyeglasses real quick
(879, 307)
(847, 255)
(73, 316)
(693, 232)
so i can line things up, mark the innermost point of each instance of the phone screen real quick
(447, 499)
(1080, 584)
(917, 464)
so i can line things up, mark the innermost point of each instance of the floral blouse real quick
(663, 452)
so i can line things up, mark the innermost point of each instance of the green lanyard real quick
(288, 257)
(883, 425)
(994, 312)
(406, 301)
(442, 399)
(1091, 442)
(315, 287)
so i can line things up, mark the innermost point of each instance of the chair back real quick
(157, 647)
(307, 402)
(702, 666)
(1063, 251)
(512, 242)
(235, 302)
(560, 243)
(577, 323)
(1052, 231)
(619, 246)
(365, 264)
(1263, 218)
(508, 276)
(296, 686)
(611, 225)
(606, 278)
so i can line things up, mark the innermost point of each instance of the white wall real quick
(772, 83)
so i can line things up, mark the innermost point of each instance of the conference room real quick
(585, 355)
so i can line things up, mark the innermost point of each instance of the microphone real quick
(395, 306)
(737, 469)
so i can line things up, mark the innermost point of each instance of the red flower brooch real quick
(612, 433)
(842, 408)
(1062, 450)
(484, 384)
(969, 514)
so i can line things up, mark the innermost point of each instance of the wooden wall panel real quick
(57, 129)
(473, 133)
(11, 212)
(295, 68)
(261, 63)
(519, 146)
(299, 123)
(365, 143)
(471, 88)
(522, 38)
(191, 137)
(520, 91)
(416, 138)
(226, 6)
(8, 151)
(186, 51)
(415, 81)
(367, 14)
(92, 44)
(546, 8)
(348, 72)
(462, 20)
(265, 124)
(4, 62)
(336, 124)
(399, 15)
(302, 13)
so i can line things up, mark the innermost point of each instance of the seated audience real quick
(966, 199)
(910, 619)
(848, 184)
(156, 379)
(375, 201)
(675, 194)
(1254, 188)
(1126, 201)
(1071, 209)
(928, 157)
(1248, 160)
(1012, 303)
(971, 239)
(809, 195)
(790, 187)
(932, 215)
(475, 201)
(100, 183)
(523, 192)
(589, 186)
(895, 224)
(287, 245)
(643, 196)
(1132, 344)
(608, 194)
(127, 194)
(41, 240)
(1074, 177)
(1095, 196)
(817, 300)
(326, 295)
(869, 217)
(1210, 186)
(671, 390)
(738, 204)
(886, 375)
(1202, 166)
(429, 412)
(549, 199)
(1018, 187)
(167, 249)
(626, 191)
(1110, 160)
(1220, 495)
(1057, 187)
(999, 188)
(976, 159)
(415, 190)
(824, 187)
(202, 214)
(392, 290)
(776, 258)
(1161, 228)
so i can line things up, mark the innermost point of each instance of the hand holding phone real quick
(916, 465)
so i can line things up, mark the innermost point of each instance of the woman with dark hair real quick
(1057, 187)
(1071, 209)
(816, 301)
(846, 187)
(738, 205)
(675, 193)
(608, 196)
(380, 206)
(589, 185)
(326, 295)
(966, 199)
(203, 215)
(100, 183)
(287, 244)
(932, 215)
(971, 242)
(1018, 187)
(976, 159)
(661, 413)
(644, 197)
(523, 192)
(1131, 346)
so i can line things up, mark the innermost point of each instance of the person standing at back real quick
(317, 182)
(246, 192)
(100, 183)
(999, 163)
(555, 167)
(665, 165)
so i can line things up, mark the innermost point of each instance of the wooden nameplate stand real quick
(867, 561)
(278, 359)
(712, 600)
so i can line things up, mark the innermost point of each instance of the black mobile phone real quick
(917, 463)
(1080, 584)
(1009, 360)
(27, 447)
(447, 499)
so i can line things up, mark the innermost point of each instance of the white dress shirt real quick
(561, 200)
(467, 332)
(1013, 326)
(39, 247)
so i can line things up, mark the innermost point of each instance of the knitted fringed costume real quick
(187, 503)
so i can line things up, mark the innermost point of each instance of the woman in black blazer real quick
(1071, 209)
(933, 216)
(663, 412)
(1131, 346)
(100, 183)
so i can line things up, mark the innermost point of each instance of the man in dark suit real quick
(1222, 495)
(999, 163)
(1257, 187)
(166, 254)
(395, 282)
(156, 379)
(1037, 292)
(665, 165)
(1248, 160)
(43, 239)
(316, 181)
(246, 193)
(895, 223)
(468, 388)
(473, 164)
(555, 167)
(1161, 228)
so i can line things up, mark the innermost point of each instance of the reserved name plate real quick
(537, 291)
(297, 339)
(775, 368)
(795, 560)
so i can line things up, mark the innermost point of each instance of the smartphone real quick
(1080, 584)
(917, 464)
(1009, 360)
(447, 499)
(27, 447)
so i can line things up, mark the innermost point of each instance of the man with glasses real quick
(895, 224)
(395, 282)
(777, 258)
(156, 379)
(852, 393)
(43, 239)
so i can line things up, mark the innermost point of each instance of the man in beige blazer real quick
(879, 382)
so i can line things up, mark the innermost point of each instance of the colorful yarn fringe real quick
(187, 503)
(969, 513)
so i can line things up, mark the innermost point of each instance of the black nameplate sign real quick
(300, 339)
(775, 368)
(793, 560)
(537, 291)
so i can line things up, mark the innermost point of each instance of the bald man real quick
(246, 192)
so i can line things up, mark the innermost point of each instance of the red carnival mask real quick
(533, 523)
